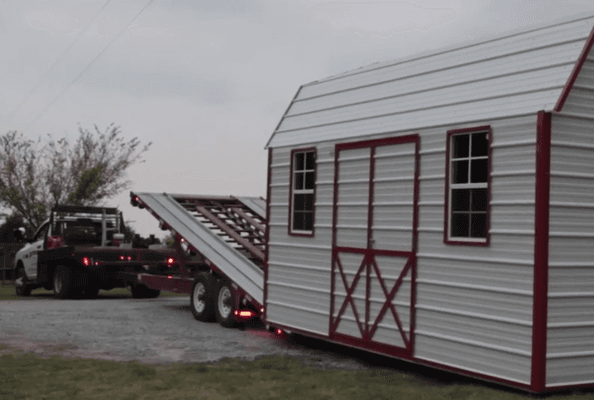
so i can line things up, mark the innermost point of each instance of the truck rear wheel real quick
(64, 282)
(202, 298)
(140, 291)
(225, 304)
(21, 283)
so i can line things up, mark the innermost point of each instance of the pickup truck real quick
(79, 251)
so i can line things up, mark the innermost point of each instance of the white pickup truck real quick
(79, 251)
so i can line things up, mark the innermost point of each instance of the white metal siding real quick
(474, 304)
(570, 333)
(512, 75)
(299, 267)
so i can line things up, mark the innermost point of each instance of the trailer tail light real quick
(170, 261)
(87, 261)
(245, 314)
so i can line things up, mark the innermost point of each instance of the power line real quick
(88, 66)
(56, 62)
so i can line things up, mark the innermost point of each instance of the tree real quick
(11, 222)
(36, 175)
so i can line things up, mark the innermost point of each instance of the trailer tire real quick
(225, 304)
(140, 291)
(64, 282)
(202, 298)
(21, 282)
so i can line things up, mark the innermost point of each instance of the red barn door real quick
(374, 244)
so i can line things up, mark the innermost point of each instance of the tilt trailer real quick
(228, 236)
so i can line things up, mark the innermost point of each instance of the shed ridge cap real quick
(456, 46)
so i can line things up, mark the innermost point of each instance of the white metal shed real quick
(440, 209)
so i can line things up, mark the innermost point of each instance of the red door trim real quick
(410, 266)
(349, 294)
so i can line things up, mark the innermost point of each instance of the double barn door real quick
(374, 244)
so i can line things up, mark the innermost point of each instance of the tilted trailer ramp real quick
(229, 232)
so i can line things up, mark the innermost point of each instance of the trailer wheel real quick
(21, 286)
(225, 304)
(63, 282)
(202, 299)
(140, 291)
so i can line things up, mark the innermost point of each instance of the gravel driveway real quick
(158, 330)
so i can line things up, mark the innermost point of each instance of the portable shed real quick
(440, 209)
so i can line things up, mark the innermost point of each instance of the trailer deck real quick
(229, 232)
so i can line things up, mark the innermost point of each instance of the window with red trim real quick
(467, 219)
(303, 176)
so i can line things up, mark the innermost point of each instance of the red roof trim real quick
(574, 74)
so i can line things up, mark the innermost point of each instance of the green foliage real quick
(36, 175)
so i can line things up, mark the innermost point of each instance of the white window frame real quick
(449, 238)
(295, 191)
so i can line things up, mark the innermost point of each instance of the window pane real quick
(310, 178)
(308, 202)
(299, 181)
(479, 225)
(479, 200)
(299, 204)
(460, 171)
(298, 221)
(310, 160)
(460, 146)
(299, 161)
(480, 145)
(460, 225)
(461, 200)
(308, 221)
(478, 171)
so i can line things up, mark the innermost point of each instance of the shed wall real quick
(570, 327)
(474, 304)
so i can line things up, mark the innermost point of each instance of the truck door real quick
(30, 259)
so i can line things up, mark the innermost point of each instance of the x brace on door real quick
(368, 264)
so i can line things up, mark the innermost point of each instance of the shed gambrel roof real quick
(518, 73)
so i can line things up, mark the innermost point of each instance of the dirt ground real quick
(158, 330)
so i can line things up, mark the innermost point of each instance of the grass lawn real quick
(27, 376)
(7, 293)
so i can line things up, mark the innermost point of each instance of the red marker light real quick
(170, 260)
(279, 331)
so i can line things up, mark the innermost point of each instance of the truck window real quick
(41, 232)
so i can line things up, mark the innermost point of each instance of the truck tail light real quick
(87, 261)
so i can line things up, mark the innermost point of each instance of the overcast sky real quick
(207, 81)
